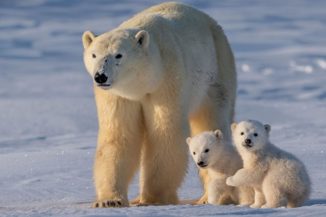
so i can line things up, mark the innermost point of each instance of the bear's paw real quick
(229, 181)
(108, 204)
(255, 206)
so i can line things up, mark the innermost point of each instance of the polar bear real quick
(165, 70)
(278, 177)
(212, 153)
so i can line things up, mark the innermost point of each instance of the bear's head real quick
(121, 61)
(205, 148)
(250, 135)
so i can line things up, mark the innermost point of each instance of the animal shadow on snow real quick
(250, 212)
(312, 202)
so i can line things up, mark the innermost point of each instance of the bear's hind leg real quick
(292, 203)
(164, 155)
(274, 198)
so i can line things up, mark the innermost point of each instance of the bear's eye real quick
(194, 153)
(255, 134)
(94, 56)
(206, 150)
(242, 133)
(118, 56)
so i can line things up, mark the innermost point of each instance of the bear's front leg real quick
(242, 177)
(217, 191)
(118, 149)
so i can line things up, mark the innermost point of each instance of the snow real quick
(48, 120)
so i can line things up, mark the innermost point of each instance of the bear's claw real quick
(107, 204)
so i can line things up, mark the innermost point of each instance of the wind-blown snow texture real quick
(47, 113)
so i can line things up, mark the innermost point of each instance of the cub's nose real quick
(100, 78)
(248, 141)
(200, 163)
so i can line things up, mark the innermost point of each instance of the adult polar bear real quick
(166, 68)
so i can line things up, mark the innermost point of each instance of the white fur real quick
(278, 177)
(220, 160)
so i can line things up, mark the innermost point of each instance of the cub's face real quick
(115, 59)
(204, 148)
(250, 135)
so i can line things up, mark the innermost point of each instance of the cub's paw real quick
(265, 206)
(255, 206)
(108, 203)
(229, 181)
(243, 205)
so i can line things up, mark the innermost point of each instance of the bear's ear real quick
(142, 38)
(233, 126)
(88, 38)
(267, 128)
(218, 133)
(188, 140)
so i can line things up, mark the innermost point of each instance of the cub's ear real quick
(267, 128)
(188, 140)
(142, 38)
(218, 133)
(88, 38)
(233, 126)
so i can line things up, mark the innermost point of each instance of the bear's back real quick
(286, 165)
(169, 14)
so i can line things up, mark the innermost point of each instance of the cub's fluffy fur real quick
(212, 153)
(278, 177)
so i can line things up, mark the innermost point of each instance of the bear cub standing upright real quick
(278, 178)
(210, 151)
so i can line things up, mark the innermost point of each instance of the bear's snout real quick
(100, 78)
(201, 164)
(248, 143)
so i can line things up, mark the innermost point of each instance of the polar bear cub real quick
(210, 151)
(278, 178)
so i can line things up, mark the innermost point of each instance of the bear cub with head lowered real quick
(212, 153)
(278, 178)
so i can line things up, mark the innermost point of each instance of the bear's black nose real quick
(100, 78)
(200, 163)
(248, 141)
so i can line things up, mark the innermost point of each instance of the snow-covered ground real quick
(47, 114)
